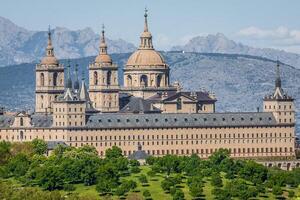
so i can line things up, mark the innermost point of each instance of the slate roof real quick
(52, 144)
(6, 121)
(41, 120)
(138, 155)
(180, 120)
(139, 105)
(171, 95)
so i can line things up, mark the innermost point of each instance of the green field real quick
(157, 192)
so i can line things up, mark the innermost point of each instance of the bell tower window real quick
(42, 79)
(95, 78)
(108, 78)
(55, 79)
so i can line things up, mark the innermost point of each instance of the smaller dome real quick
(49, 60)
(146, 57)
(103, 58)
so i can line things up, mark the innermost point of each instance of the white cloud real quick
(280, 36)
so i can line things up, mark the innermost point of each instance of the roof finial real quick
(103, 31)
(278, 79)
(49, 36)
(76, 83)
(146, 22)
(69, 80)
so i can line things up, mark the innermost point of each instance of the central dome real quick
(146, 57)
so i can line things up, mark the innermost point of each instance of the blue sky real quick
(261, 23)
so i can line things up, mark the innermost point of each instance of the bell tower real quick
(280, 103)
(103, 78)
(49, 80)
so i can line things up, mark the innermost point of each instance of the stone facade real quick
(148, 112)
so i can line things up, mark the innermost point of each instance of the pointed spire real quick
(146, 37)
(103, 57)
(146, 22)
(278, 79)
(69, 80)
(49, 49)
(76, 83)
(103, 46)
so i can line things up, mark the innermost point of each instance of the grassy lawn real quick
(157, 193)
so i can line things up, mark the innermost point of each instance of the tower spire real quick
(146, 21)
(278, 79)
(69, 80)
(146, 37)
(76, 83)
(49, 49)
(103, 46)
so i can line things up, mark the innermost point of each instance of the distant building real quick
(148, 111)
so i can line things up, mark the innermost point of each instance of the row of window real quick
(70, 109)
(175, 119)
(182, 136)
(279, 107)
(188, 142)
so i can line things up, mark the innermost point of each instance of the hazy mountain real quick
(18, 45)
(220, 44)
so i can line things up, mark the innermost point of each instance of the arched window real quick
(158, 80)
(179, 104)
(95, 78)
(21, 122)
(54, 78)
(42, 79)
(108, 78)
(144, 80)
(129, 81)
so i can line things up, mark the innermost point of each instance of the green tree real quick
(196, 189)
(51, 178)
(143, 178)
(39, 146)
(114, 152)
(216, 180)
(104, 186)
(19, 165)
(5, 148)
(146, 194)
(179, 195)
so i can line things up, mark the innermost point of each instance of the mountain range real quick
(219, 43)
(18, 45)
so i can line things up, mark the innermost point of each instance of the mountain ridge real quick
(219, 43)
(18, 45)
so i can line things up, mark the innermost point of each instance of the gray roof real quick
(139, 105)
(41, 120)
(52, 144)
(118, 120)
(138, 155)
(6, 120)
